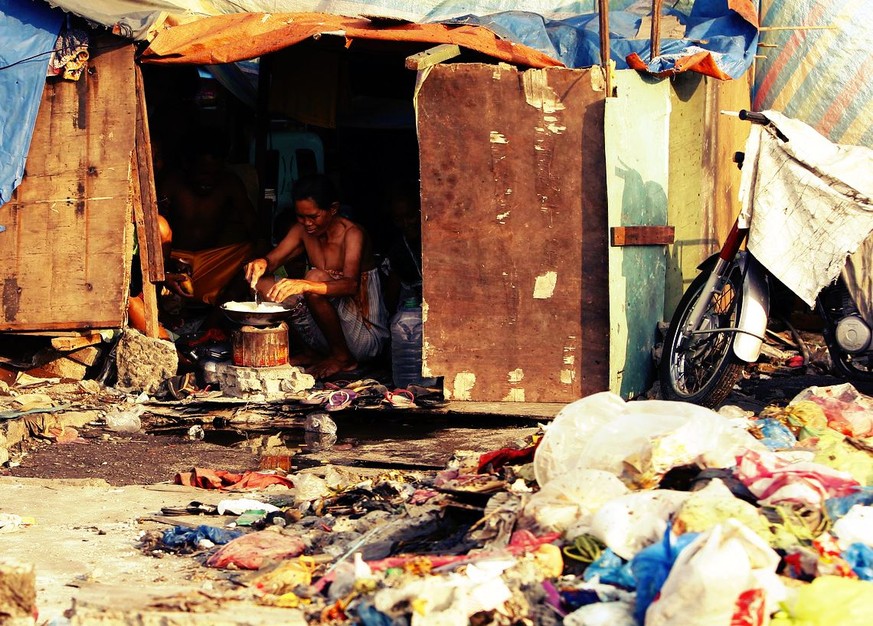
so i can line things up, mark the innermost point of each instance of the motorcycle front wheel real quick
(702, 368)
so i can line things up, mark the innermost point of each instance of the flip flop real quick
(339, 400)
(318, 397)
(401, 399)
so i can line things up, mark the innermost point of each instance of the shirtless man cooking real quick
(342, 319)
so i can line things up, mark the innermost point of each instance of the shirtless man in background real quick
(343, 319)
(211, 217)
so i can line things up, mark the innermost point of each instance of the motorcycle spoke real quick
(702, 355)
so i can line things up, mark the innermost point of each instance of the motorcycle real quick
(719, 324)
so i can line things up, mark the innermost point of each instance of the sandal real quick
(400, 399)
(318, 397)
(181, 386)
(339, 400)
(363, 384)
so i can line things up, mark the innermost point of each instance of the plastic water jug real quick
(406, 343)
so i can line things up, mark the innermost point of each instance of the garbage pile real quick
(616, 513)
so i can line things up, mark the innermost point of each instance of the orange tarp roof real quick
(240, 36)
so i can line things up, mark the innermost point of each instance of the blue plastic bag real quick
(612, 570)
(860, 557)
(652, 565)
(181, 537)
(838, 507)
(777, 436)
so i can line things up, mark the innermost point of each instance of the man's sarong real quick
(363, 317)
(213, 268)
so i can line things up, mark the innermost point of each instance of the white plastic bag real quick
(630, 523)
(572, 499)
(637, 441)
(602, 614)
(856, 526)
(124, 419)
(726, 572)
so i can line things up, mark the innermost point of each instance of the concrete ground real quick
(83, 546)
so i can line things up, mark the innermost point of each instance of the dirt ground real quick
(121, 459)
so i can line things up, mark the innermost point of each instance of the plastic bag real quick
(652, 565)
(847, 410)
(124, 420)
(612, 570)
(725, 576)
(182, 537)
(715, 504)
(602, 614)
(828, 601)
(571, 500)
(838, 506)
(774, 480)
(630, 523)
(777, 435)
(254, 550)
(637, 441)
(860, 557)
(856, 526)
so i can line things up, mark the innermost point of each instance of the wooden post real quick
(145, 169)
(656, 29)
(603, 8)
(149, 295)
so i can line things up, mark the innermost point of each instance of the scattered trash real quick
(125, 420)
(230, 481)
(9, 522)
(615, 513)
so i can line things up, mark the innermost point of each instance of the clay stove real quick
(254, 346)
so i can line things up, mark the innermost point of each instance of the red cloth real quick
(505, 456)
(228, 481)
(255, 550)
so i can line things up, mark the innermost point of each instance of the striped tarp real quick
(821, 76)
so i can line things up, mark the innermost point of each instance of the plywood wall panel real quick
(514, 232)
(65, 255)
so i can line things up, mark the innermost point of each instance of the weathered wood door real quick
(514, 231)
(65, 252)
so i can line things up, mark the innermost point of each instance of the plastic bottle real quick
(406, 343)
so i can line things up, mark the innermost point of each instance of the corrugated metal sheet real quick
(820, 76)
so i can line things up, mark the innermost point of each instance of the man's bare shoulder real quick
(350, 228)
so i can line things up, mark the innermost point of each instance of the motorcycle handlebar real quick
(752, 116)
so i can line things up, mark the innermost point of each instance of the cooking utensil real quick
(257, 318)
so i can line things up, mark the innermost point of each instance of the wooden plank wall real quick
(65, 254)
(514, 232)
(704, 181)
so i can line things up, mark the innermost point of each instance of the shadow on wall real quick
(644, 269)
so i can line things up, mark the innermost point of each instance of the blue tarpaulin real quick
(575, 41)
(28, 31)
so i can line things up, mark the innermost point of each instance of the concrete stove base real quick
(262, 383)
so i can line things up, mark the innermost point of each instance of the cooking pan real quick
(256, 318)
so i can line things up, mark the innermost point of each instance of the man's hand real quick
(286, 288)
(180, 284)
(254, 270)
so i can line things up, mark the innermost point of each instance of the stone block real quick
(262, 383)
(143, 362)
(17, 592)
